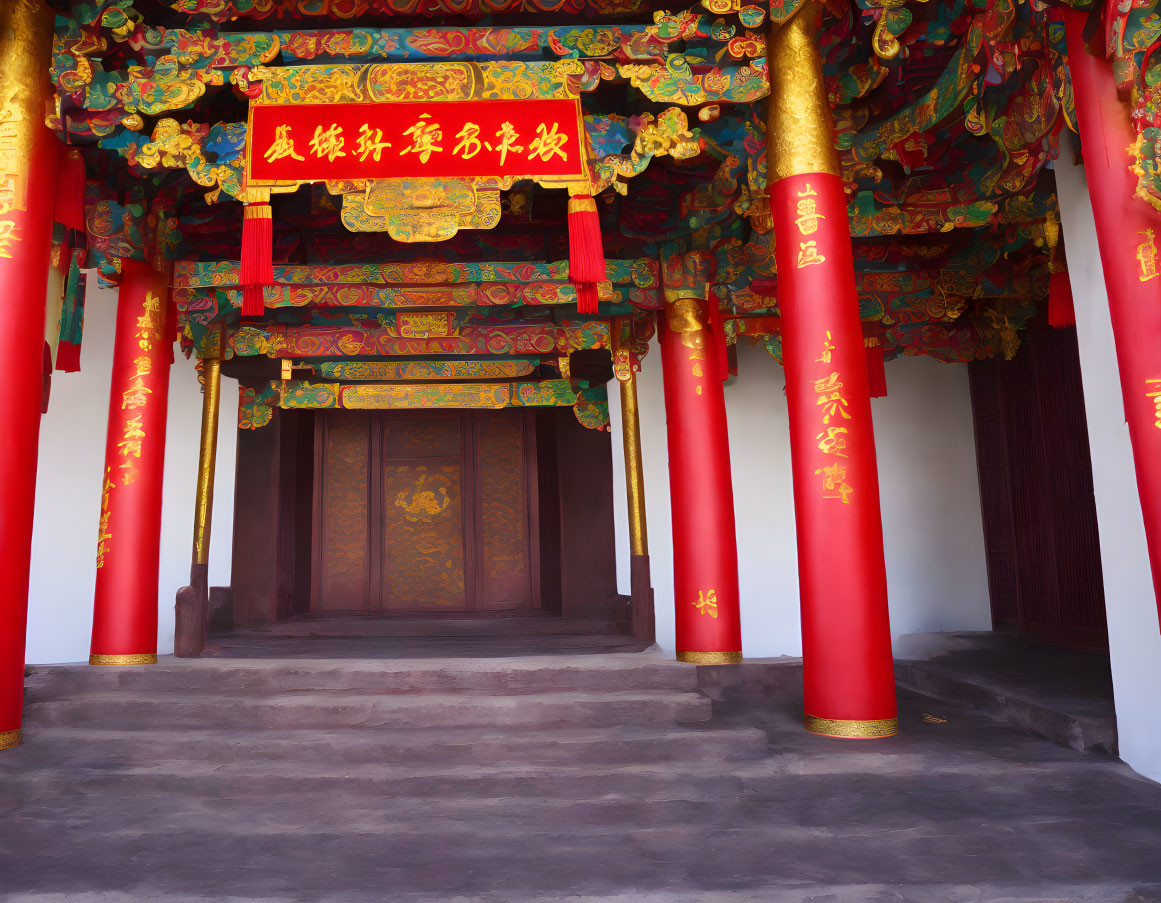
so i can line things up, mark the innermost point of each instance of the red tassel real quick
(718, 333)
(586, 253)
(876, 371)
(1061, 312)
(69, 209)
(257, 269)
(68, 357)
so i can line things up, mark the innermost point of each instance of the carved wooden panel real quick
(423, 536)
(344, 512)
(427, 438)
(504, 578)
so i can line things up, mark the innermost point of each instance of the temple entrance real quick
(425, 511)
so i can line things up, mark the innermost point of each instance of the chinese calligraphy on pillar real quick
(832, 399)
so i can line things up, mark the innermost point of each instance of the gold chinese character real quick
(132, 436)
(370, 143)
(507, 135)
(808, 192)
(707, 603)
(7, 235)
(328, 142)
(469, 141)
(135, 396)
(1147, 257)
(808, 216)
(831, 397)
(808, 254)
(827, 350)
(104, 534)
(832, 441)
(425, 138)
(281, 146)
(547, 144)
(834, 482)
(1154, 384)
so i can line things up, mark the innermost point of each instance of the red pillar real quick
(28, 159)
(705, 549)
(848, 674)
(129, 543)
(1128, 235)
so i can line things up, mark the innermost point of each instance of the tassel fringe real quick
(257, 268)
(718, 335)
(69, 209)
(1061, 312)
(876, 371)
(586, 253)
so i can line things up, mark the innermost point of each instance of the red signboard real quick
(450, 139)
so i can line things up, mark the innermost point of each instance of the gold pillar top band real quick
(864, 730)
(143, 658)
(9, 739)
(799, 128)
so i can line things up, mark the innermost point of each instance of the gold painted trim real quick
(207, 456)
(9, 739)
(800, 132)
(634, 466)
(143, 658)
(866, 730)
(710, 658)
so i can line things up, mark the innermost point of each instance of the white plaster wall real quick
(68, 493)
(1134, 634)
(936, 571)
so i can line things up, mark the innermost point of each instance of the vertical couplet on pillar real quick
(28, 160)
(129, 540)
(846, 639)
(705, 550)
(1128, 230)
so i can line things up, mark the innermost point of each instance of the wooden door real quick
(423, 530)
(1040, 530)
(425, 511)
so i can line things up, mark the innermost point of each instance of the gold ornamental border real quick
(142, 658)
(865, 730)
(9, 739)
(710, 658)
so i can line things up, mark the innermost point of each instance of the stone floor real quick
(511, 780)
(1059, 694)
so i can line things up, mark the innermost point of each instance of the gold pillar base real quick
(144, 658)
(852, 730)
(9, 739)
(710, 658)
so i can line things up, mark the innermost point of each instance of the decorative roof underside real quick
(949, 115)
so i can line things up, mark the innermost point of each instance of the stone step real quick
(96, 748)
(132, 710)
(260, 677)
(500, 626)
(388, 782)
(1083, 722)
